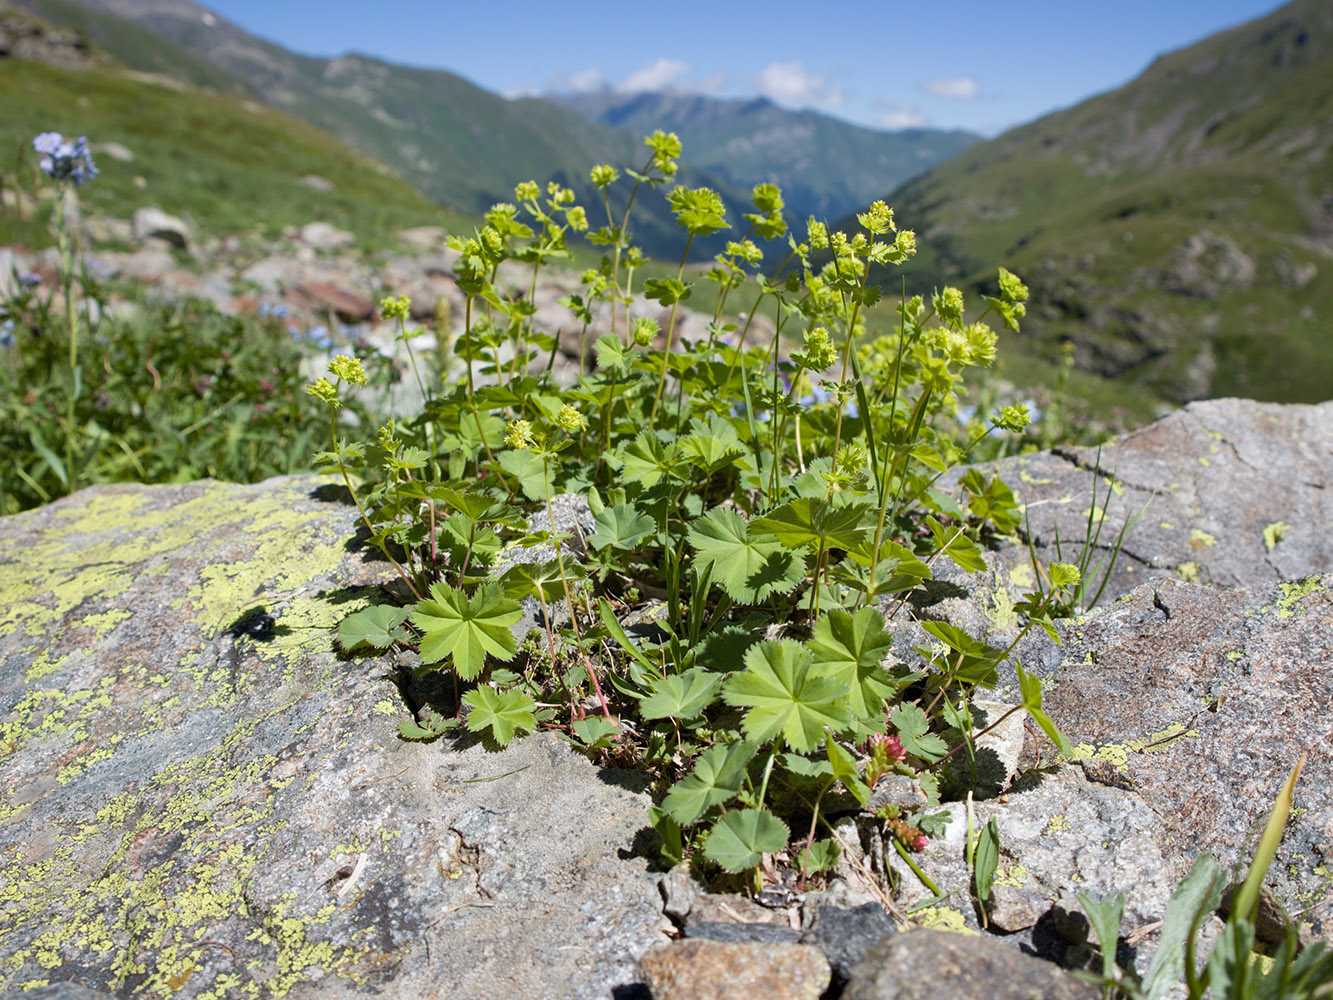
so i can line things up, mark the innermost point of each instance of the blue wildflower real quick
(7, 333)
(62, 159)
(29, 280)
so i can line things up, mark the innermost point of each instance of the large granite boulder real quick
(199, 797)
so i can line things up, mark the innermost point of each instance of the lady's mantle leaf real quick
(913, 730)
(681, 696)
(501, 713)
(740, 838)
(1030, 686)
(621, 527)
(467, 630)
(718, 776)
(851, 650)
(378, 625)
(749, 570)
(812, 521)
(785, 696)
(844, 769)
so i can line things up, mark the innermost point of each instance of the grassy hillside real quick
(460, 145)
(1178, 230)
(228, 165)
(826, 167)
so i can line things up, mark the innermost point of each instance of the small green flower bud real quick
(948, 305)
(577, 218)
(1011, 288)
(1013, 418)
(645, 329)
(878, 220)
(527, 191)
(816, 234)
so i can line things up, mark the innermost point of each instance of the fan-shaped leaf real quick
(466, 629)
(786, 697)
(718, 776)
(741, 838)
(501, 712)
(378, 625)
(681, 696)
(623, 526)
(851, 650)
(749, 570)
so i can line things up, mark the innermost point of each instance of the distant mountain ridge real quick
(825, 167)
(1172, 229)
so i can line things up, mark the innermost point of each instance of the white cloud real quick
(958, 88)
(657, 75)
(711, 84)
(789, 83)
(585, 81)
(903, 116)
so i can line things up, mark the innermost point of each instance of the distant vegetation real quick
(1177, 231)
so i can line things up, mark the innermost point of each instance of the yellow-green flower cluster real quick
(395, 308)
(527, 191)
(348, 369)
(325, 390)
(570, 419)
(948, 305)
(878, 220)
(603, 176)
(518, 435)
(665, 147)
(818, 352)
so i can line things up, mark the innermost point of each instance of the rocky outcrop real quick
(200, 797)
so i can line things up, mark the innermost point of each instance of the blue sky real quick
(976, 64)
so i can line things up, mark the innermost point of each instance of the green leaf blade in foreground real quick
(1030, 688)
(1199, 894)
(681, 696)
(741, 838)
(844, 769)
(466, 630)
(813, 521)
(750, 571)
(379, 625)
(914, 733)
(622, 527)
(785, 697)
(503, 713)
(851, 650)
(718, 776)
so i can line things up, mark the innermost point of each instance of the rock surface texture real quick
(199, 798)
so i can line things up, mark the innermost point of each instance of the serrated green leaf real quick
(540, 580)
(811, 521)
(844, 769)
(379, 625)
(851, 650)
(645, 460)
(718, 776)
(673, 844)
(503, 713)
(612, 353)
(623, 526)
(1197, 895)
(741, 838)
(820, 856)
(971, 661)
(681, 696)
(594, 730)
(473, 506)
(466, 630)
(750, 571)
(528, 469)
(785, 697)
(914, 733)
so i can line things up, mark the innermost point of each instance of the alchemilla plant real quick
(763, 508)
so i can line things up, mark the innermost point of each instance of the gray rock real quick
(154, 224)
(326, 237)
(846, 935)
(200, 796)
(925, 965)
(730, 932)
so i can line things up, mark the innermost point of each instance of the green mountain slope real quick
(1178, 231)
(226, 164)
(462, 146)
(826, 167)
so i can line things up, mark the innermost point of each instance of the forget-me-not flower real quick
(63, 159)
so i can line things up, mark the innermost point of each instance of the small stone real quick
(730, 932)
(679, 891)
(323, 236)
(1070, 920)
(712, 970)
(845, 935)
(925, 964)
(155, 224)
(1014, 908)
